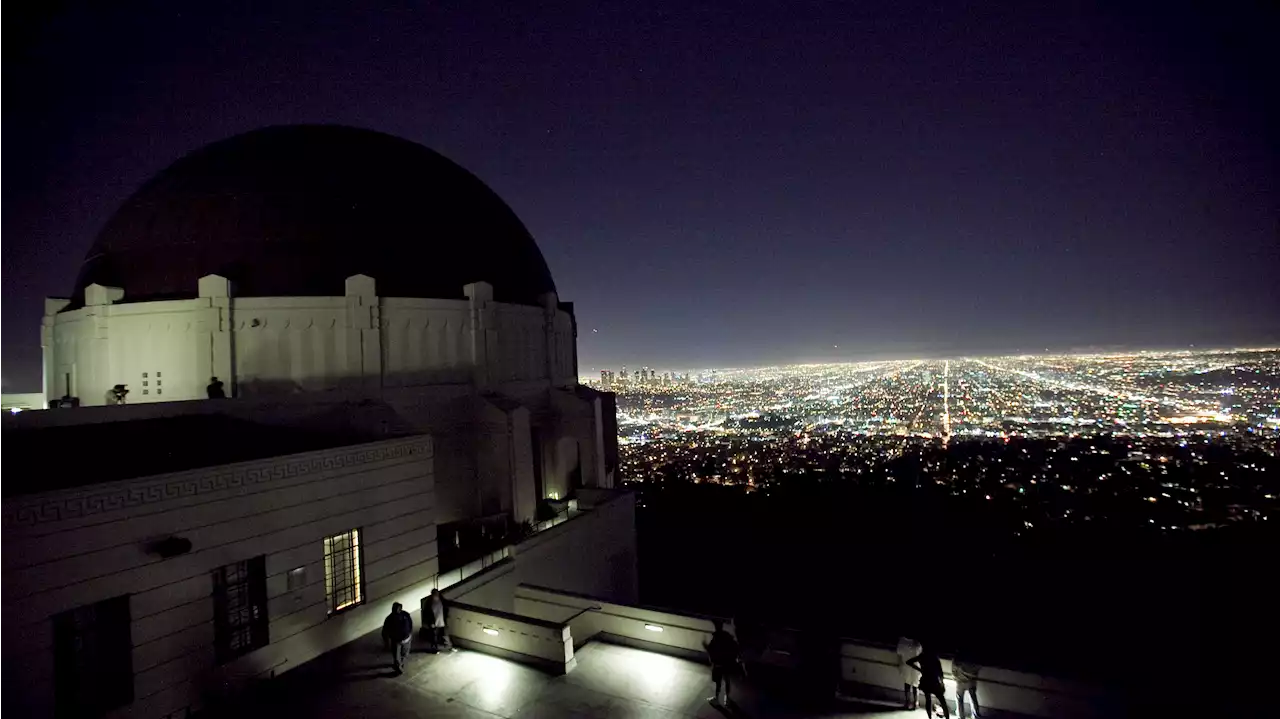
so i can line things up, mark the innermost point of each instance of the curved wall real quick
(263, 346)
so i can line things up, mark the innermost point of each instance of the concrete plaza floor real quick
(609, 681)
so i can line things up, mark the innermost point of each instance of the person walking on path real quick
(908, 649)
(931, 686)
(397, 635)
(724, 652)
(966, 674)
(439, 633)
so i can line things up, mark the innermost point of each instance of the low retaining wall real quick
(867, 670)
(588, 618)
(528, 640)
(870, 671)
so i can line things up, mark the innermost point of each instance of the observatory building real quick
(304, 372)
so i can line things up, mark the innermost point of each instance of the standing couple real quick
(397, 631)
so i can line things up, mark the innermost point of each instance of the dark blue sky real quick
(732, 183)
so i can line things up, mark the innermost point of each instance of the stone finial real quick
(478, 291)
(214, 286)
(54, 305)
(96, 294)
(361, 286)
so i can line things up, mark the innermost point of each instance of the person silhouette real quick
(931, 686)
(723, 651)
(966, 674)
(907, 650)
(397, 635)
(439, 626)
(215, 389)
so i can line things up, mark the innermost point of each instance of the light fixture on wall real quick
(653, 627)
(491, 631)
(169, 547)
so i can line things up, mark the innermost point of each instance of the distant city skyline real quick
(593, 373)
(708, 358)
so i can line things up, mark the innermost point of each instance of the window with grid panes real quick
(343, 583)
(93, 658)
(240, 608)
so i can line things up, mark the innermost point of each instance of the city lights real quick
(1189, 434)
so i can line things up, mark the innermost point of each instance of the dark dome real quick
(295, 210)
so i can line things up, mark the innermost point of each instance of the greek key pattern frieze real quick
(195, 483)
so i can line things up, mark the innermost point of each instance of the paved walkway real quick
(609, 681)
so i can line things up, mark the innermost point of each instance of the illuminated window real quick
(240, 608)
(93, 658)
(342, 577)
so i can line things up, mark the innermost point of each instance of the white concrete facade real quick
(22, 401)
(73, 548)
(593, 554)
(271, 346)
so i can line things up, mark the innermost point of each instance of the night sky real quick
(728, 184)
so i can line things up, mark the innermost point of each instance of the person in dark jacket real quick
(931, 686)
(724, 654)
(216, 390)
(397, 635)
